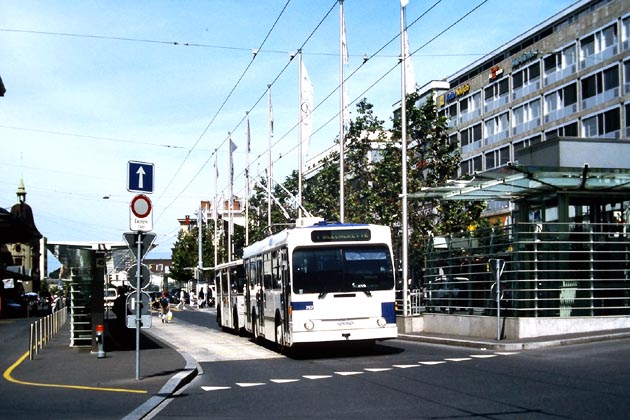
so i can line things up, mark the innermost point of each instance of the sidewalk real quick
(109, 381)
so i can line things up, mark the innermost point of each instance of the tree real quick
(185, 254)
(433, 158)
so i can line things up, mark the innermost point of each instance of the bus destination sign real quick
(341, 235)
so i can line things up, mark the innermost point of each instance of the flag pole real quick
(341, 113)
(230, 200)
(270, 163)
(300, 121)
(403, 122)
(248, 135)
(216, 211)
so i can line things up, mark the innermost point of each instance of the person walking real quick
(165, 307)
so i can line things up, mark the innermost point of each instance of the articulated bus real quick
(229, 280)
(329, 282)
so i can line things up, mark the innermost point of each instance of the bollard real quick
(100, 340)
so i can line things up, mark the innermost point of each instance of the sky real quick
(94, 84)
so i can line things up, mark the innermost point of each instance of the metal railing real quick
(44, 329)
(551, 270)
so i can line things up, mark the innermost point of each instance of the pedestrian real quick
(201, 299)
(165, 306)
(182, 299)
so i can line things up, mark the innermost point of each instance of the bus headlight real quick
(381, 322)
(309, 325)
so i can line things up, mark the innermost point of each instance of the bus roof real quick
(281, 238)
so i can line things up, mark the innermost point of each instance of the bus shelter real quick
(85, 266)
(563, 232)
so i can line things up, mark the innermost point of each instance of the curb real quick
(180, 379)
(513, 346)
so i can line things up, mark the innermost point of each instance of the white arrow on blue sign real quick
(139, 177)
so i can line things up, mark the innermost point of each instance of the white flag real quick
(410, 76)
(232, 149)
(306, 108)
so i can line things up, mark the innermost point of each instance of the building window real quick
(560, 65)
(526, 143)
(526, 117)
(496, 95)
(450, 113)
(568, 130)
(497, 128)
(600, 87)
(561, 103)
(627, 120)
(471, 138)
(470, 107)
(626, 76)
(607, 124)
(599, 46)
(526, 81)
(497, 158)
(625, 33)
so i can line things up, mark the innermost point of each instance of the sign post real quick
(139, 180)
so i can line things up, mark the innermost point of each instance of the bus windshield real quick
(344, 269)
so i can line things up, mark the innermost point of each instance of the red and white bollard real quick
(100, 341)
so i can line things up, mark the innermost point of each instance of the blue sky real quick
(92, 85)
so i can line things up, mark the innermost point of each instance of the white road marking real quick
(215, 388)
(350, 373)
(249, 384)
(506, 353)
(433, 363)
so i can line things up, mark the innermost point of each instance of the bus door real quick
(285, 300)
(260, 292)
(270, 290)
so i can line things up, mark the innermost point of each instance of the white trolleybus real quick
(321, 283)
(229, 281)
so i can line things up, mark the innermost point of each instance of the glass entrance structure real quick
(565, 242)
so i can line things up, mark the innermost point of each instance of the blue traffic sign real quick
(140, 177)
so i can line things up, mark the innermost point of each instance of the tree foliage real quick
(373, 184)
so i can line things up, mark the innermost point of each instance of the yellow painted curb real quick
(9, 371)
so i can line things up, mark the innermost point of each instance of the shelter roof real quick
(515, 182)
